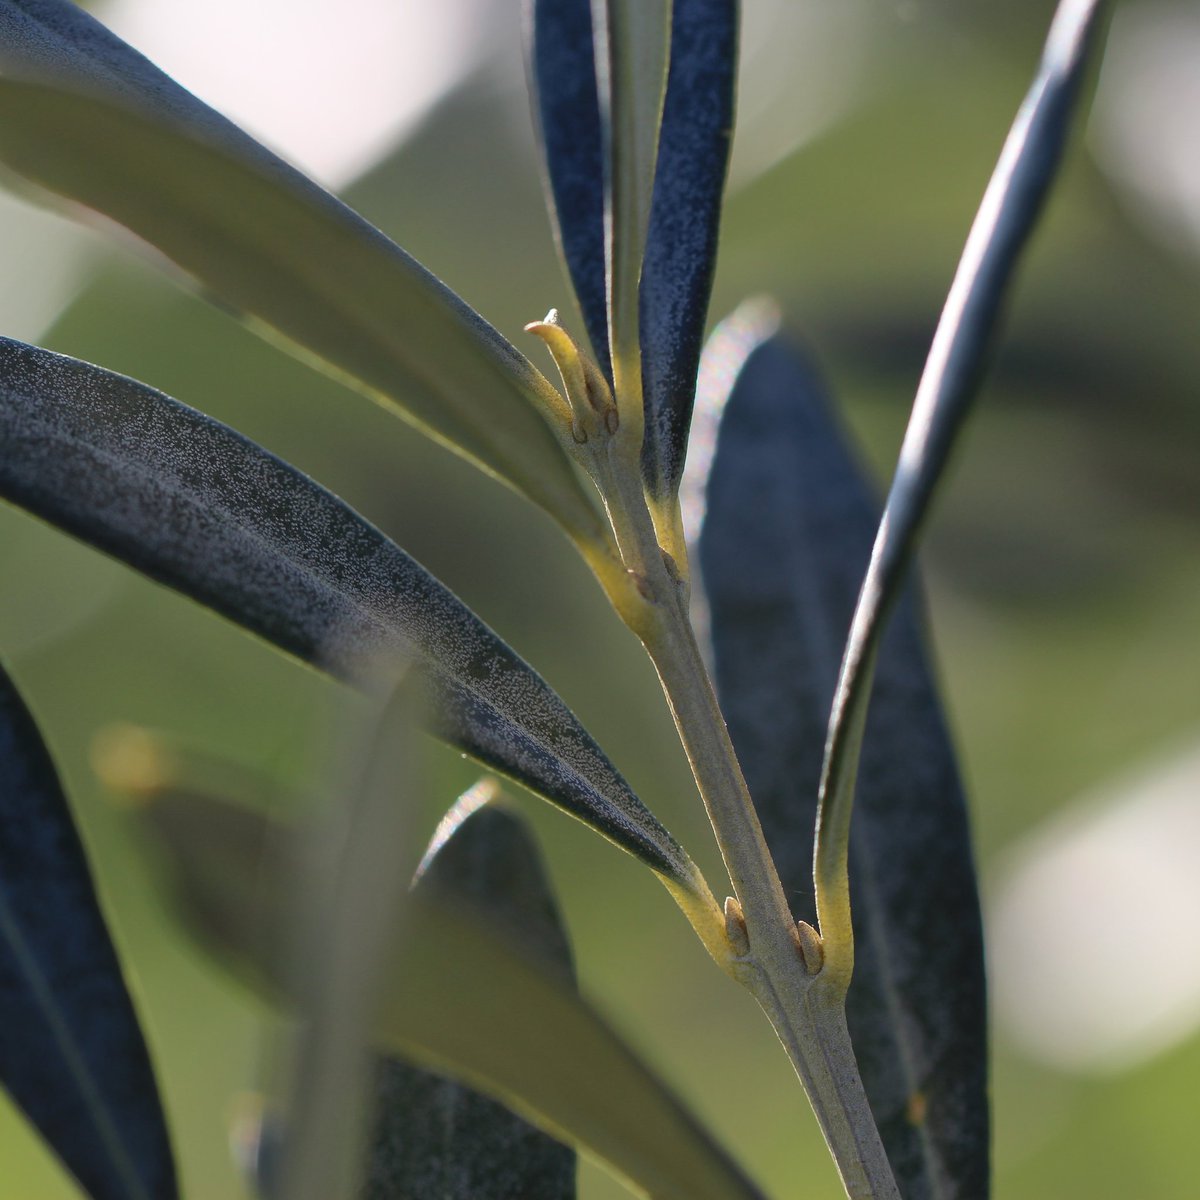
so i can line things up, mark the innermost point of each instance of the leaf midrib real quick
(73, 1057)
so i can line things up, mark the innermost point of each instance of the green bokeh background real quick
(1063, 565)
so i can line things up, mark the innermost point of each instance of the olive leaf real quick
(636, 171)
(84, 115)
(784, 543)
(462, 997)
(562, 81)
(194, 505)
(1027, 167)
(72, 1055)
(685, 213)
(432, 1136)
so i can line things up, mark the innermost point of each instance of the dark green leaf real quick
(681, 245)
(196, 506)
(129, 142)
(71, 1050)
(1011, 205)
(784, 545)
(463, 997)
(432, 1135)
(562, 71)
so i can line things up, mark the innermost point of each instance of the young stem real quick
(800, 987)
(812, 1028)
(782, 969)
(805, 1004)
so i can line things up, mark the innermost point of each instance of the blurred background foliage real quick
(1063, 562)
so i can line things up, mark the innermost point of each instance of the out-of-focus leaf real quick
(1011, 205)
(71, 1050)
(783, 547)
(681, 244)
(345, 917)
(562, 73)
(196, 506)
(632, 37)
(87, 117)
(433, 1136)
(463, 997)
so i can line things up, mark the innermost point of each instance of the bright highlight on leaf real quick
(462, 997)
(196, 506)
(72, 1056)
(86, 116)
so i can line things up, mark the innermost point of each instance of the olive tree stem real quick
(779, 962)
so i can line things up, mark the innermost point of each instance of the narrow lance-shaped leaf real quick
(685, 212)
(433, 1136)
(1010, 208)
(463, 997)
(784, 543)
(632, 37)
(71, 1051)
(86, 116)
(196, 506)
(562, 82)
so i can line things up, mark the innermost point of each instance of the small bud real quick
(592, 409)
(735, 927)
(812, 952)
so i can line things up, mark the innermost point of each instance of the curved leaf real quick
(129, 142)
(433, 1136)
(783, 547)
(71, 1050)
(562, 79)
(196, 506)
(685, 213)
(1011, 205)
(463, 997)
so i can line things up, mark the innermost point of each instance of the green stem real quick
(781, 964)
(814, 1033)
(800, 986)
(804, 1002)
